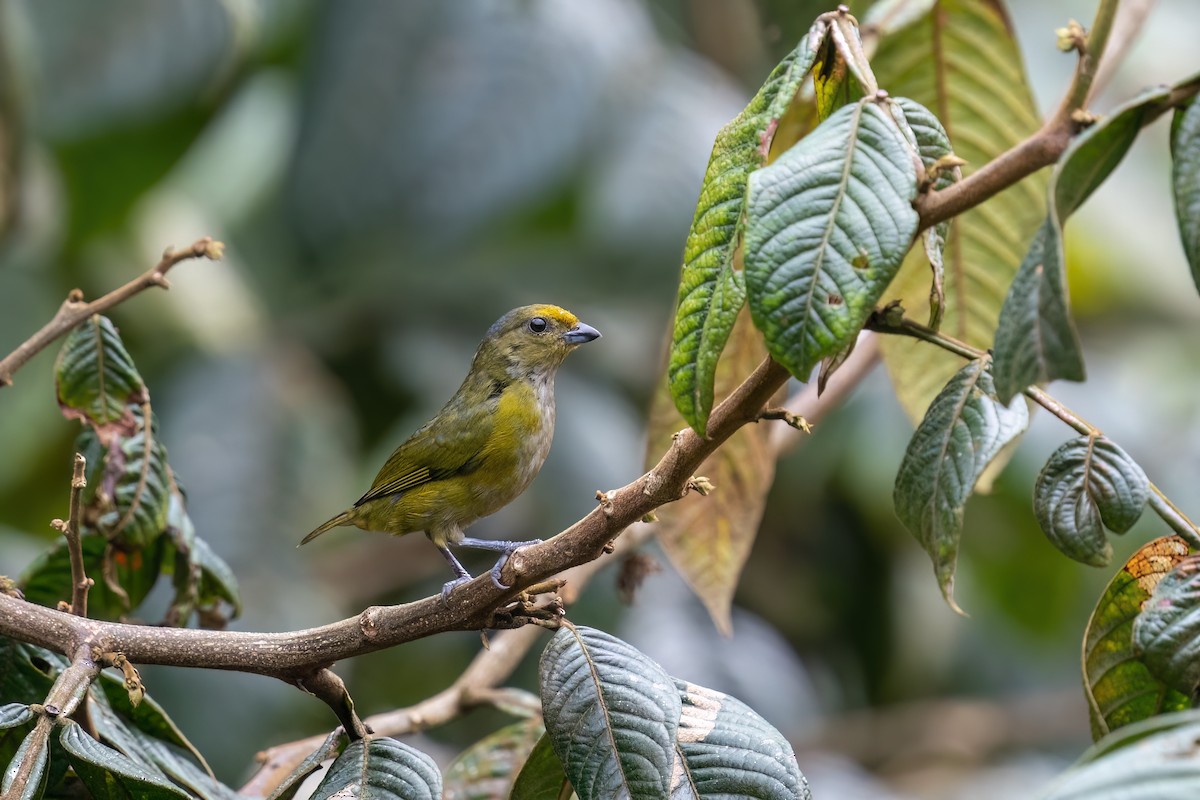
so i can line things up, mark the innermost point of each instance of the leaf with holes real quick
(1088, 484)
(612, 715)
(827, 225)
(1185, 179)
(382, 769)
(962, 432)
(96, 378)
(708, 539)
(727, 750)
(1118, 686)
(711, 288)
(108, 773)
(1167, 633)
(947, 56)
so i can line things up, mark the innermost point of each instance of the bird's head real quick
(531, 340)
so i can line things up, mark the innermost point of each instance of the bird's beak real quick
(581, 333)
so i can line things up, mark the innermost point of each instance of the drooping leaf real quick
(217, 581)
(1036, 341)
(382, 769)
(110, 774)
(1160, 766)
(96, 378)
(488, 769)
(711, 288)
(328, 749)
(542, 776)
(841, 72)
(1087, 484)
(827, 226)
(611, 713)
(709, 538)
(727, 750)
(946, 56)
(1167, 634)
(130, 486)
(1119, 687)
(1185, 179)
(961, 433)
(147, 717)
(34, 749)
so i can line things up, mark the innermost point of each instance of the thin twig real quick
(1159, 502)
(326, 686)
(80, 582)
(74, 310)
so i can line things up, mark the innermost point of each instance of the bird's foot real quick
(450, 586)
(504, 556)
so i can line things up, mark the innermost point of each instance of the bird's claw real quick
(504, 556)
(450, 586)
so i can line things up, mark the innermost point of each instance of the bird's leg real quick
(506, 548)
(459, 570)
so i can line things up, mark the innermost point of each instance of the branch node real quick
(1072, 37)
(794, 420)
(368, 624)
(700, 485)
(605, 499)
(74, 297)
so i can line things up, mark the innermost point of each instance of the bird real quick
(483, 449)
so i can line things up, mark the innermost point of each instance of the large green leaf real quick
(1119, 687)
(381, 769)
(1087, 484)
(1167, 631)
(129, 489)
(1035, 338)
(961, 433)
(34, 749)
(97, 380)
(1185, 178)
(711, 288)
(827, 225)
(959, 58)
(147, 717)
(1158, 766)
(488, 769)
(110, 774)
(612, 715)
(542, 776)
(123, 577)
(727, 750)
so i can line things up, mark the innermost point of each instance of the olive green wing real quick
(448, 445)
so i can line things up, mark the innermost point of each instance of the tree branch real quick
(74, 310)
(80, 582)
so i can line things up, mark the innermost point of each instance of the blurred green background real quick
(391, 177)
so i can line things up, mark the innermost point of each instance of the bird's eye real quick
(537, 325)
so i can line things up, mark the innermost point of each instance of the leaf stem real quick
(80, 582)
(884, 322)
(74, 310)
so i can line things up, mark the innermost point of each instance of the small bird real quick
(483, 448)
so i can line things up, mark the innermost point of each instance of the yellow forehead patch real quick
(560, 315)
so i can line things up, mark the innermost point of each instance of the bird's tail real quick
(338, 521)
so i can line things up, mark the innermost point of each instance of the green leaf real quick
(488, 768)
(328, 749)
(612, 715)
(381, 769)
(111, 775)
(1087, 484)
(949, 57)
(34, 747)
(730, 751)
(827, 226)
(962, 432)
(130, 488)
(14, 714)
(217, 581)
(1118, 686)
(96, 378)
(1161, 766)
(1185, 179)
(123, 577)
(1167, 631)
(27, 672)
(542, 776)
(1036, 341)
(711, 288)
(147, 717)
(1136, 731)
